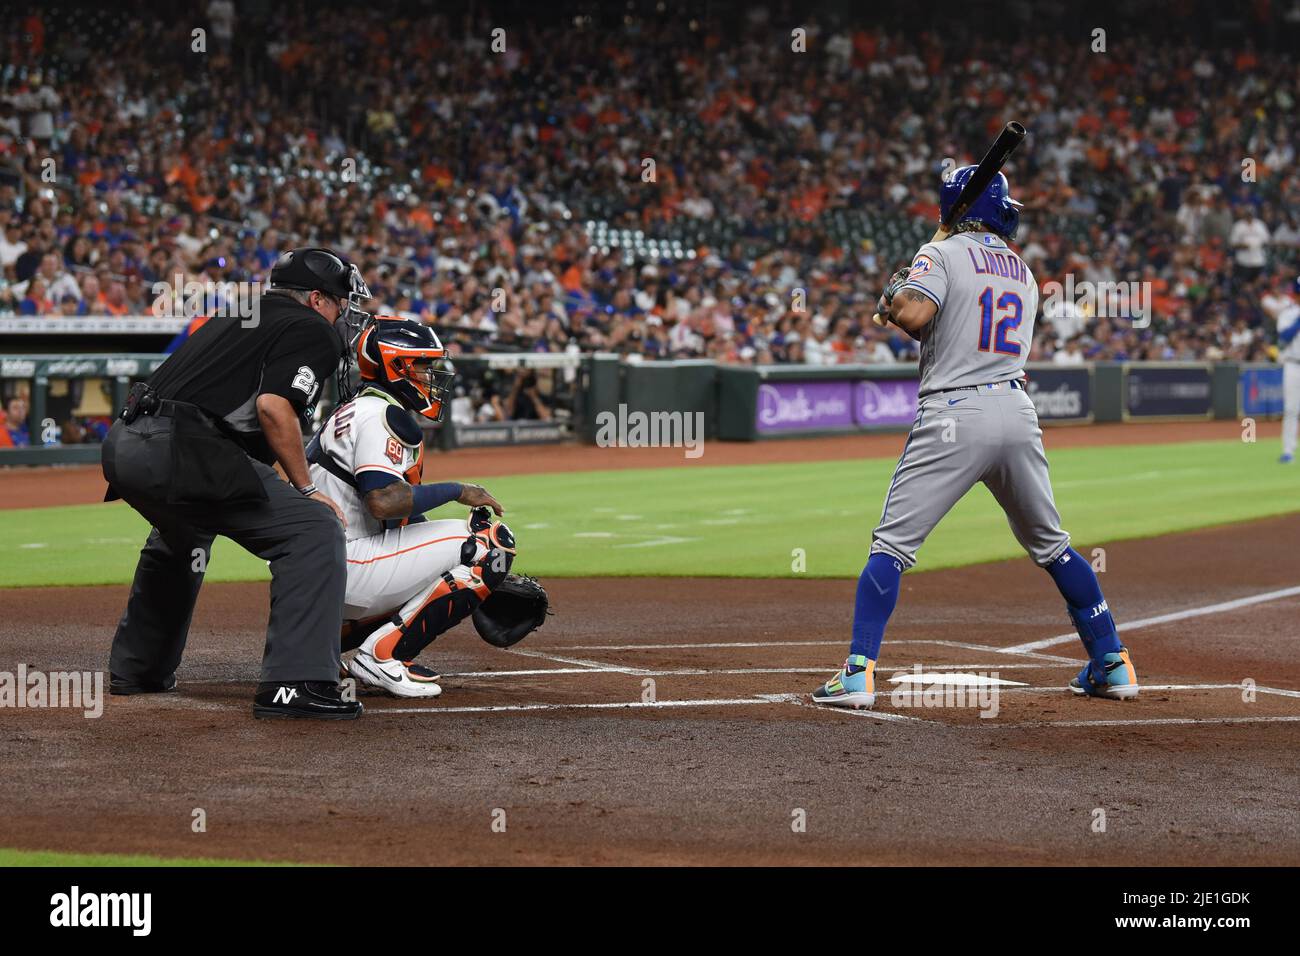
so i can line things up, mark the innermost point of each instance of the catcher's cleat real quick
(1114, 678)
(850, 690)
(392, 676)
(419, 673)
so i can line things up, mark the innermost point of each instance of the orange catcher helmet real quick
(406, 359)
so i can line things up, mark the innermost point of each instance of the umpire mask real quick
(312, 268)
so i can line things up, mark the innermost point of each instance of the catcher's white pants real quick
(1290, 406)
(389, 570)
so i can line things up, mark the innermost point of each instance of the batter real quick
(971, 301)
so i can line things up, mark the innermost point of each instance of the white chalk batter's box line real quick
(595, 668)
(801, 700)
(608, 667)
(551, 653)
(1030, 650)
(709, 671)
(689, 671)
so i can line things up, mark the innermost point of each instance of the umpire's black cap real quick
(312, 268)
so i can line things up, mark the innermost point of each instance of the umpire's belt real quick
(199, 464)
(166, 408)
(1014, 383)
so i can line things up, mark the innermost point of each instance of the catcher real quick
(409, 579)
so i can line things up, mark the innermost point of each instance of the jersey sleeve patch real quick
(921, 267)
(395, 451)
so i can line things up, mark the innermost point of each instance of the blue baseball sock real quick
(877, 595)
(1078, 584)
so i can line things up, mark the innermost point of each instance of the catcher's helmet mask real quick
(994, 207)
(405, 359)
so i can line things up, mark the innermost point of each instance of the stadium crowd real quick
(505, 196)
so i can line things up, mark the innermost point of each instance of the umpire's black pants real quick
(302, 539)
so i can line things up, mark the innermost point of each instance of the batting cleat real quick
(1286, 459)
(393, 676)
(849, 690)
(1115, 678)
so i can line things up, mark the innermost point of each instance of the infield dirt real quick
(1193, 773)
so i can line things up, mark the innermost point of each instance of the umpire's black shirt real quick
(291, 351)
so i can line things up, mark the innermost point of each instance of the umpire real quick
(192, 453)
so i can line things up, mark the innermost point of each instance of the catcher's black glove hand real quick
(516, 606)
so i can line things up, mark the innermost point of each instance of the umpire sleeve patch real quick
(402, 425)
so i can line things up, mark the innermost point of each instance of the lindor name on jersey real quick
(356, 436)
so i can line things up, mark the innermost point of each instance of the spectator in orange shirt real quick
(1211, 256)
(180, 171)
(422, 219)
(572, 278)
(114, 300)
(808, 203)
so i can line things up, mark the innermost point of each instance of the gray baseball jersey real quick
(987, 301)
(974, 423)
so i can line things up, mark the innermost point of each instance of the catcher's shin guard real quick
(456, 593)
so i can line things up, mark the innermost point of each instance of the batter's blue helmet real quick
(994, 207)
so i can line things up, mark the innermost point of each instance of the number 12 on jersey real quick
(1009, 303)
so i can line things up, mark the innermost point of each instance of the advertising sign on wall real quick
(804, 406)
(1261, 391)
(1061, 394)
(1156, 391)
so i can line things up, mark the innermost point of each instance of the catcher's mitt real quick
(516, 606)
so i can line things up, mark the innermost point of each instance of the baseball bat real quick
(1012, 135)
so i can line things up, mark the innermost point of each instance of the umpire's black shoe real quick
(123, 687)
(319, 699)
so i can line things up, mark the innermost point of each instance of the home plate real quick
(954, 680)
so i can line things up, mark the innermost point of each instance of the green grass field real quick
(738, 521)
(9, 857)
